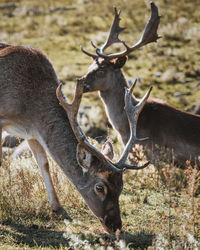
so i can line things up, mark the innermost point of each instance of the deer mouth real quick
(111, 225)
(86, 88)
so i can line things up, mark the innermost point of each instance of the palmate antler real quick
(132, 113)
(149, 35)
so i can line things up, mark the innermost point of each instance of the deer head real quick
(103, 200)
(106, 66)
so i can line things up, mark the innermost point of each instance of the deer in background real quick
(30, 109)
(167, 127)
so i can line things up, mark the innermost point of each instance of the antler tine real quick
(89, 54)
(72, 109)
(132, 114)
(149, 35)
(115, 30)
(72, 112)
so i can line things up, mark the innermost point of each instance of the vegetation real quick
(160, 206)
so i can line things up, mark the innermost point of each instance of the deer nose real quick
(111, 224)
(86, 88)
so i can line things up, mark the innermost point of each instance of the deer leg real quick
(42, 161)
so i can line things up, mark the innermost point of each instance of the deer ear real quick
(119, 62)
(107, 150)
(84, 158)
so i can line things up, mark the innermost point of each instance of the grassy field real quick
(160, 206)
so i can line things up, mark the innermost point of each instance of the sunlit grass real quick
(152, 209)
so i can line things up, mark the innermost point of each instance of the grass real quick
(160, 208)
(154, 210)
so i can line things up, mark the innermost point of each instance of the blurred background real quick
(59, 27)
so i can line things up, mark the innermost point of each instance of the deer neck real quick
(56, 136)
(113, 99)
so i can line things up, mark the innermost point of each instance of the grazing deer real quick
(30, 109)
(167, 127)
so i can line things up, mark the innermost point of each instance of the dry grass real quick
(155, 212)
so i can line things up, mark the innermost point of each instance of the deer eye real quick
(100, 73)
(99, 188)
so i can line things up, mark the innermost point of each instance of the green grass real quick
(156, 210)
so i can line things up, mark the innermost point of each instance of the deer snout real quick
(89, 81)
(111, 224)
(86, 88)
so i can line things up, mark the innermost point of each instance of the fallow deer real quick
(30, 109)
(166, 126)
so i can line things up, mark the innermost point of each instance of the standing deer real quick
(30, 109)
(165, 126)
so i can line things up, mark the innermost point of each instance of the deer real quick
(33, 107)
(175, 131)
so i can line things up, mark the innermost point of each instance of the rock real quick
(178, 94)
(158, 74)
(169, 75)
